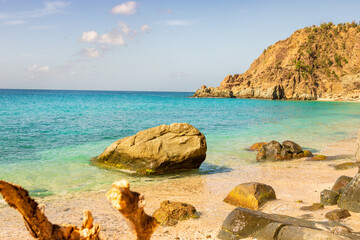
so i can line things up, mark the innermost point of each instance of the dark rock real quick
(350, 198)
(244, 223)
(170, 213)
(337, 214)
(341, 183)
(329, 197)
(292, 147)
(314, 207)
(164, 148)
(270, 151)
(250, 195)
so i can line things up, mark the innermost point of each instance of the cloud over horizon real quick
(126, 8)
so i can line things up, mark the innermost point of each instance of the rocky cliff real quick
(318, 62)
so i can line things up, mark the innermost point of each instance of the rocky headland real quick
(314, 63)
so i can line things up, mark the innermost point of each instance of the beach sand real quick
(292, 180)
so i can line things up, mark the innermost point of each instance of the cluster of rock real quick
(314, 62)
(161, 149)
(274, 151)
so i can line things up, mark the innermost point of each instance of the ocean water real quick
(47, 138)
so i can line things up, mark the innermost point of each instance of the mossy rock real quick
(250, 195)
(345, 165)
(329, 197)
(256, 146)
(170, 213)
(314, 207)
(318, 158)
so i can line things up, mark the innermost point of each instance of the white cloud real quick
(145, 28)
(89, 37)
(38, 69)
(49, 8)
(127, 8)
(112, 37)
(90, 52)
(14, 22)
(178, 23)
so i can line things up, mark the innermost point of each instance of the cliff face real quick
(314, 62)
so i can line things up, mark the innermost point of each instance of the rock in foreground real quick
(170, 213)
(243, 223)
(250, 195)
(164, 148)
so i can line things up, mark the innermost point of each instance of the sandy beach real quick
(292, 180)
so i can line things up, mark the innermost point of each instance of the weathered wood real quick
(131, 205)
(37, 223)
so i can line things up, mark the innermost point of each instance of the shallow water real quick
(48, 137)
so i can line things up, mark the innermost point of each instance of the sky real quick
(146, 45)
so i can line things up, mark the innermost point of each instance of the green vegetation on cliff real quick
(314, 62)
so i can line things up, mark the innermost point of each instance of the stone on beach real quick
(244, 223)
(337, 214)
(164, 148)
(345, 165)
(329, 197)
(313, 207)
(350, 198)
(341, 183)
(170, 213)
(250, 195)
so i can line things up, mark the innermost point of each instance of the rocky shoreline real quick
(314, 63)
(292, 180)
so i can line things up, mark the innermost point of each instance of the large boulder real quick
(250, 195)
(350, 198)
(164, 148)
(246, 223)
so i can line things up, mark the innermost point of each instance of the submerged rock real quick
(250, 195)
(244, 223)
(170, 213)
(164, 148)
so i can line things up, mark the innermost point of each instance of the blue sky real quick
(145, 45)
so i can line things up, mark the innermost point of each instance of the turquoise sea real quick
(48, 137)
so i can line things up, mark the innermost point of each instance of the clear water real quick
(48, 137)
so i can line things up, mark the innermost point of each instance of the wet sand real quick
(292, 180)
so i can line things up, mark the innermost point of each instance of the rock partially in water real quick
(341, 183)
(329, 197)
(246, 223)
(274, 151)
(256, 146)
(337, 214)
(164, 148)
(170, 213)
(250, 195)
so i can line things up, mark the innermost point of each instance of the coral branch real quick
(37, 223)
(131, 205)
